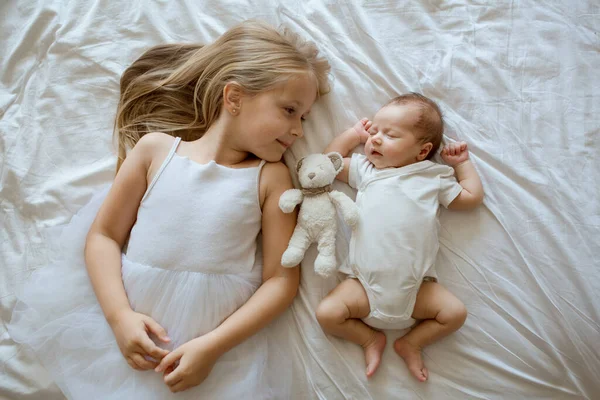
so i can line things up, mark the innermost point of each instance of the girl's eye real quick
(290, 110)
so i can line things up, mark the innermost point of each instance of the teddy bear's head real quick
(319, 170)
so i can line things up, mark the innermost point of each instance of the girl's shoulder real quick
(274, 180)
(154, 148)
(155, 142)
(276, 174)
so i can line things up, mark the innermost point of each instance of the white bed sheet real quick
(519, 80)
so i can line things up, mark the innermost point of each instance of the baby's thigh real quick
(349, 298)
(436, 302)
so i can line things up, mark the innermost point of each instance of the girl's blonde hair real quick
(178, 88)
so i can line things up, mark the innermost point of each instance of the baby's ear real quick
(337, 160)
(425, 150)
(299, 164)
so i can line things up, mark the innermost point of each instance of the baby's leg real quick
(442, 313)
(339, 315)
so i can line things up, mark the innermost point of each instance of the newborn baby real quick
(391, 279)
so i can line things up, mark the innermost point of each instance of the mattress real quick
(517, 80)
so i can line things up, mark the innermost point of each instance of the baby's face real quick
(392, 142)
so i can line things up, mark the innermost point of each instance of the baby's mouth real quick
(375, 153)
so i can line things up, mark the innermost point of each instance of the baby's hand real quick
(361, 128)
(455, 153)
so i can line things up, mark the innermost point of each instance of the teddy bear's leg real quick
(326, 264)
(297, 247)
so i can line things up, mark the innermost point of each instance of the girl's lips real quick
(376, 153)
(284, 144)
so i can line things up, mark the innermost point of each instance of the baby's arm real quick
(104, 243)
(456, 155)
(347, 141)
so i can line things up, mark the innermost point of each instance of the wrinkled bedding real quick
(518, 80)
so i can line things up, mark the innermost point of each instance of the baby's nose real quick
(311, 175)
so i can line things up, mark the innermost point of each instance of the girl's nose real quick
(297, 131)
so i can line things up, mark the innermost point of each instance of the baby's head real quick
(408, 129)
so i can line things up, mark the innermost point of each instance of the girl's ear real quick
(232, 97)
(425, 149)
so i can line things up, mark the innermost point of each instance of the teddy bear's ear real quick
(299, 164)
(337, 161)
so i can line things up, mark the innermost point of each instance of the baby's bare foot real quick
(413, 359)
(373, 351)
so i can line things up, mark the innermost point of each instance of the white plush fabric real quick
(518, 80)
(319, 206)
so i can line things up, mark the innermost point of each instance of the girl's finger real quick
(173, 377)
(172, 387)
(179, 386)
(463, 146)
(368, 125)
(148, 347)
(168, 360)
(169, 369)
(142, 362)
(158, 330)
(132, 364)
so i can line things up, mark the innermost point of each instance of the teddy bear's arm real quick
(290, 199)
(346, 206)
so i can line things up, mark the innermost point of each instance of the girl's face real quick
(271, 121)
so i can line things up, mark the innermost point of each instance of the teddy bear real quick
(317, 219)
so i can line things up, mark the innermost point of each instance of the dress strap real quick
(162, 167)
(258, 173)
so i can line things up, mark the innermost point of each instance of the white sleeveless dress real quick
(191, 261)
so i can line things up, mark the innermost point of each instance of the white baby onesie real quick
(395, 242)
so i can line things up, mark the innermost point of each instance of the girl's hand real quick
(189, 364)
(454, 154)
(361, 128)
(132, 331)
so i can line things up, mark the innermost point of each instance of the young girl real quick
(178, 309)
